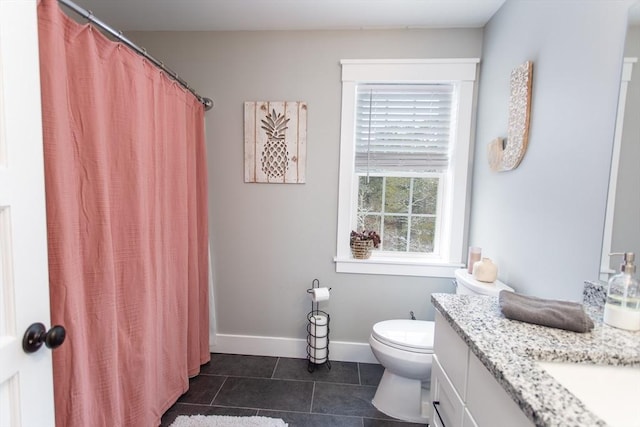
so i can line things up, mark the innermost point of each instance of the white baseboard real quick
(342, 351)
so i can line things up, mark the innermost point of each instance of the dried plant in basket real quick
(362, 243)
(365, 236)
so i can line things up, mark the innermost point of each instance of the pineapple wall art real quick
(275, 142)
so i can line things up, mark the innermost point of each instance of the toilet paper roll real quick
(317, 355)
(318, 341)
(318, 331)
(320, 355)
(319, 294)
(318, 319)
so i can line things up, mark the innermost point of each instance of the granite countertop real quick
(510, 349)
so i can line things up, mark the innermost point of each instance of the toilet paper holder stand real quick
(317, 336)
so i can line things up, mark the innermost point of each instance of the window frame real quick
(463, 73)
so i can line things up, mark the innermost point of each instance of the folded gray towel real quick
(556, 314)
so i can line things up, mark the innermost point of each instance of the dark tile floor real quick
(283, 388)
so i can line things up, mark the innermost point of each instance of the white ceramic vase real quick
(485, 270)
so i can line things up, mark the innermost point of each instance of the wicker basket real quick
(361, 249)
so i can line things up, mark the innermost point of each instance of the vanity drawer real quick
(448, 405)
(452, 352)
(489, 402)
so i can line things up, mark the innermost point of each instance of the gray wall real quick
(543, 222)
(269, 241)
(626, 224)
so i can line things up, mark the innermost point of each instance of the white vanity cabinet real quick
(463, 391)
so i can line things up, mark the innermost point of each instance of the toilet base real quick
(401, 398)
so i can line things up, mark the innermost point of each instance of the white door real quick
(26, 381)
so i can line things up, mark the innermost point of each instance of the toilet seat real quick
(415, 336)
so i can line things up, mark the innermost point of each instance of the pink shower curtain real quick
(127, 227)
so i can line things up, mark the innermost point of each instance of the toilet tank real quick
(467, 285)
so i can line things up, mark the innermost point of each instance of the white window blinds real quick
(403, 128)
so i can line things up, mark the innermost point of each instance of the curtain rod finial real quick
(208, 103)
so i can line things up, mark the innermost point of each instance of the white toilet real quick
(405, 349)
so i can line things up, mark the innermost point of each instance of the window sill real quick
(396, 267)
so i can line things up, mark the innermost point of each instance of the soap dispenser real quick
(622, 308)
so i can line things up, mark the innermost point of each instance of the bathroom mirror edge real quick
(626, 142)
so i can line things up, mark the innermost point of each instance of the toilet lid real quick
(463, 278)
(410, 335)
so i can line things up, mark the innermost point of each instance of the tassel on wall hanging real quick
(275, 142)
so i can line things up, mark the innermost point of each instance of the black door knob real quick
(37, 334)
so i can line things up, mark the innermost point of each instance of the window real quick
(405, 147)
(402, 135)
(404, 210)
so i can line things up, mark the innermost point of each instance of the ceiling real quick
(228, 15)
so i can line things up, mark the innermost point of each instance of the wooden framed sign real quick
(275, 142)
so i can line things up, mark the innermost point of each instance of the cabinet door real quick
(489, 403)
(452, 353)
(447, 403)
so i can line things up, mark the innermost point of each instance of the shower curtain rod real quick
(207, 102)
